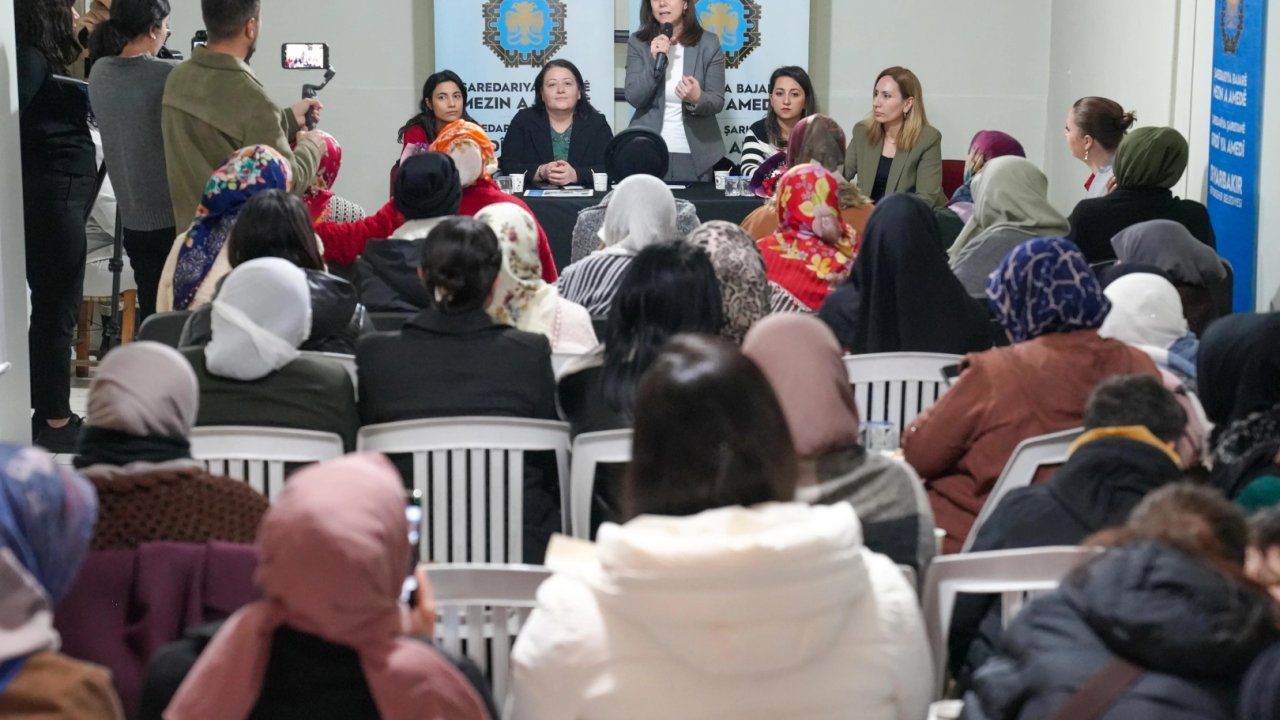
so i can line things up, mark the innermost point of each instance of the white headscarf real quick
(521, 298)
(260, 317)
(641, 212)
(1145, 310)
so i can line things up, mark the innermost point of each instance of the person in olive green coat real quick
(895, 149)
(214, 105)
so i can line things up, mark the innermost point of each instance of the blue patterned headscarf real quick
(246, 173)
(1043, 286)
(47, 515)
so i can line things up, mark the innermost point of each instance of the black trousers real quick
(147, 249)
(54, 208)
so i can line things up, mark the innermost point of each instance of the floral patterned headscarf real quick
(317, 196)
(813, 249)
(744, 285)
(1044, 286)
(521, 298)
(460, 139)
(246, 173)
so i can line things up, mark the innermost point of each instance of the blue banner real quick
(1235, 139)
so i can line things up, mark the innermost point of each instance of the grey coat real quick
(645, 93)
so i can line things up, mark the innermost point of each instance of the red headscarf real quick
(812, 250)
(317, 196)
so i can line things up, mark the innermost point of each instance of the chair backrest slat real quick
(895, 387)
(589, 451)
(258, 455)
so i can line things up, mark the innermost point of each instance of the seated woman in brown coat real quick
(134, 449)
(1046, 297)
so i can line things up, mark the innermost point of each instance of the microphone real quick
(660, 67)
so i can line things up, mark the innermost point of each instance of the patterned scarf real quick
(1044, 286)
(318, 195)
(1242, 436)
(247, 172)
(521, 298)
(461, 137)
(744, 285)
(812, 250)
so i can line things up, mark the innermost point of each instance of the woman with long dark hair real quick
(444, 99)
(561, 139)
(126, 87)
(791, 100)
(58, 185)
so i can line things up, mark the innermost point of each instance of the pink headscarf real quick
(334, 551)
(801, 359)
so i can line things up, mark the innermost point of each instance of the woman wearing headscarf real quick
(1147, 164)
(198, 258)
(322, 203)
(801, 360)
(813, 248)
(815, 139)
(329, 638)
(252, 373)
(477, 160)
(1047, 299)
(521, 298)
(1239, 380)
(901, 296)
(1146, 312)
(134, 449)
(1193, 267)
(744, 284)
(642, 212)
(634, 151)
(987, 145)
(1011, 207)
(46, 520)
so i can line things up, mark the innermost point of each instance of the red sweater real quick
(343, 242)
(484, 193)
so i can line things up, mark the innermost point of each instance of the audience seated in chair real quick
(252, 373)
(641, 212)
(198, 258)
(1239, 379)
(328, 640)
(1193, 267)
(901, 296)
(1147, 164)
(1046, 297)
(1168, 602)
(986, 145)
(634, 151)
(1146, 312)
(744, 284)
(274, 224)
(1262, 559)
(719, 597)
(453, 360)
(323, 205)
(670, 288)
(520, 297)
(801, 360)
(1011, 205)
(45, 525)
(134, 449)
(1131, 427)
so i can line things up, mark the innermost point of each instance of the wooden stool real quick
(84, 331)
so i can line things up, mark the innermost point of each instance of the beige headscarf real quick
(144, 389)
(1010, 192)
(641, 212)
(801, 358)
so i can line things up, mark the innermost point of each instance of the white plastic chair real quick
(1011, 573)
(1027, 457)
(480, 609)
(589, 450)
(469, 472)
(348, 363)
(258, 455)
(895, 387)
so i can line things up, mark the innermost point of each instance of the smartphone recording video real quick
(304, 56)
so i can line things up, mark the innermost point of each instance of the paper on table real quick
(559, 192)
(677, 187)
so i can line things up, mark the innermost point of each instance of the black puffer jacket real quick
(387, 277)
(337, 318)
(1194, 631)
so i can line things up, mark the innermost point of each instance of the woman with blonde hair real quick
(895, 149)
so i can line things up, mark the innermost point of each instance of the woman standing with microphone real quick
(675, 81)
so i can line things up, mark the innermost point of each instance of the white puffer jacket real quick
(776, 611)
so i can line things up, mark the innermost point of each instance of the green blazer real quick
(918, 171)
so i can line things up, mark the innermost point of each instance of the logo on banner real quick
(524, 32)
(736, 23)
(1232, 26)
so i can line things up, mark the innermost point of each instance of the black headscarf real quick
(636, 151)
(901, 295)
(1238, 373)
(427, 186)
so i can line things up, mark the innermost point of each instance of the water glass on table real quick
(504, 183)
(879, 436)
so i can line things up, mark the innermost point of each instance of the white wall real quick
(15, 394)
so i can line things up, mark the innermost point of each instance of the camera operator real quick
(213, 106)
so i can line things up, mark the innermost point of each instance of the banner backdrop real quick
(1235, 138)
(498, 47)
(757, 37)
